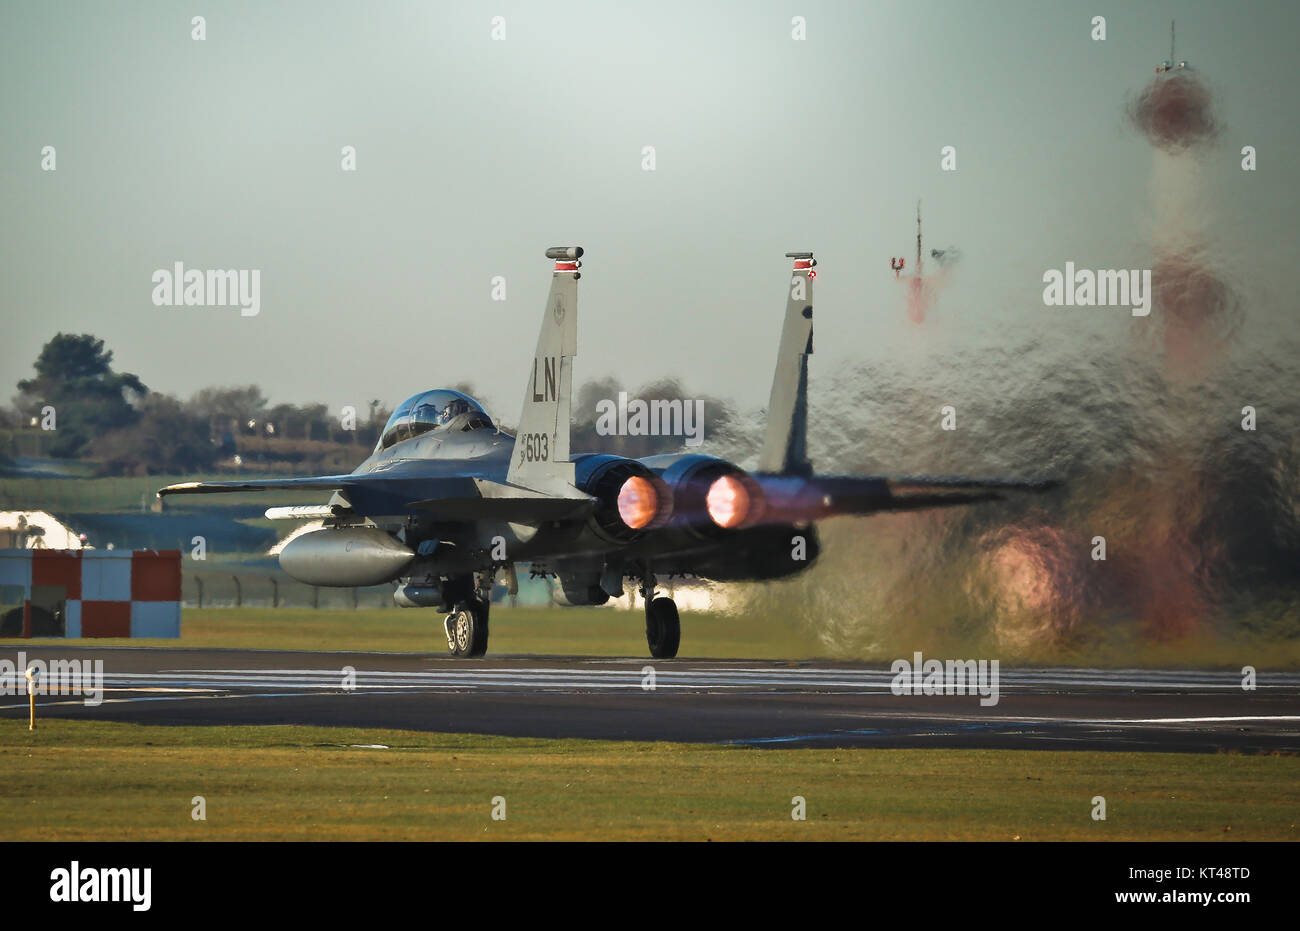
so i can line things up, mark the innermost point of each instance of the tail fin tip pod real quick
(785, 445)
(541, 458)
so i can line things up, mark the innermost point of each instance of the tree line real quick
(115, 420)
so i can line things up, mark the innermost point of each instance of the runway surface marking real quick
(708, 678)
(742, 702)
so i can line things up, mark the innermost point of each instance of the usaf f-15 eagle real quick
(448, 501)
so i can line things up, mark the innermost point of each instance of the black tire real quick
(663, 628)
(479, 608)
(462, 624)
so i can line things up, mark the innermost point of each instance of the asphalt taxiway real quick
(746, 702)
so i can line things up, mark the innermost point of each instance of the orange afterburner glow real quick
(727, 501)
(637, 502)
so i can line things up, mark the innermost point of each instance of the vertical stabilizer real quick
(541, 456)
(785, 446)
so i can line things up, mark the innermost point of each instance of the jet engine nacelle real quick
(631, 497)
(345, 557)
(710, 495)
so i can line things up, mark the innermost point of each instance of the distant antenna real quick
(918, 237)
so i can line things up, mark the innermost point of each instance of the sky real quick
(474, 155)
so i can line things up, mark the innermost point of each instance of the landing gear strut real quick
(663, 628)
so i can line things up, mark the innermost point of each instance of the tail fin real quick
(541, 456)
(785, 447)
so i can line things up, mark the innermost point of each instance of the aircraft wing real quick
(452, 498)
(791, 497)
(206, 488)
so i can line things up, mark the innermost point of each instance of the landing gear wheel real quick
(663, 628)
(467, 629)
(460, 631)
(479, 641)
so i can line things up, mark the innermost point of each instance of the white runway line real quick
(556, 679)
(1215, 720)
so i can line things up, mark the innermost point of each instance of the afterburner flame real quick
(727, 501)
(637, 502)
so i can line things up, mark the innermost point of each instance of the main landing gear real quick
(467, 625)
(467, 628)
(663, 626)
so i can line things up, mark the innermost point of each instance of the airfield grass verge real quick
(554, 631)
(613, 632)
(83, 780)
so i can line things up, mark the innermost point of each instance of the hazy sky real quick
(475, 155)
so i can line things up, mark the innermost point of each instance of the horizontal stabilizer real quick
(798, 499)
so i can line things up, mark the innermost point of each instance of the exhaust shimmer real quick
(1177, 436)
(1175, 112)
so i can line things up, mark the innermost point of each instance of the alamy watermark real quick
(1105, 287)
(55, 677)
(79, 883)
(657, 417)
(213, 287)
(951, 677)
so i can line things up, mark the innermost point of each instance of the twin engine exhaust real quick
(693, 495)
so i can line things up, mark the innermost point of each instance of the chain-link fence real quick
(249, 588)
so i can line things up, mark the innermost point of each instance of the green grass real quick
(83, 780)
(580, 631)
(124, 493)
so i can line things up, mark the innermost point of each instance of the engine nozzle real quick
(727, 501)
(638, 502)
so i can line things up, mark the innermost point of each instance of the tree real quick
(164, 440)
(719, 418)
(74, 375)
(227, 411)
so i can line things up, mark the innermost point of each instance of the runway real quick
(744, 702)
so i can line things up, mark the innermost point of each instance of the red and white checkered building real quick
(105, 593)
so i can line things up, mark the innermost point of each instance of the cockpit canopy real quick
(432, 410)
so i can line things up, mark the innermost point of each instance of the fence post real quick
(275, 593)
(315, 596)
(239, 592)
(199, 582)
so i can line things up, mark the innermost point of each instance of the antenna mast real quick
(918, 237)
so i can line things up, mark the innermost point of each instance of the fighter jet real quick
(447, 500)
(1168, 64)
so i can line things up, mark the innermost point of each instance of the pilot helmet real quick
(454, 409)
